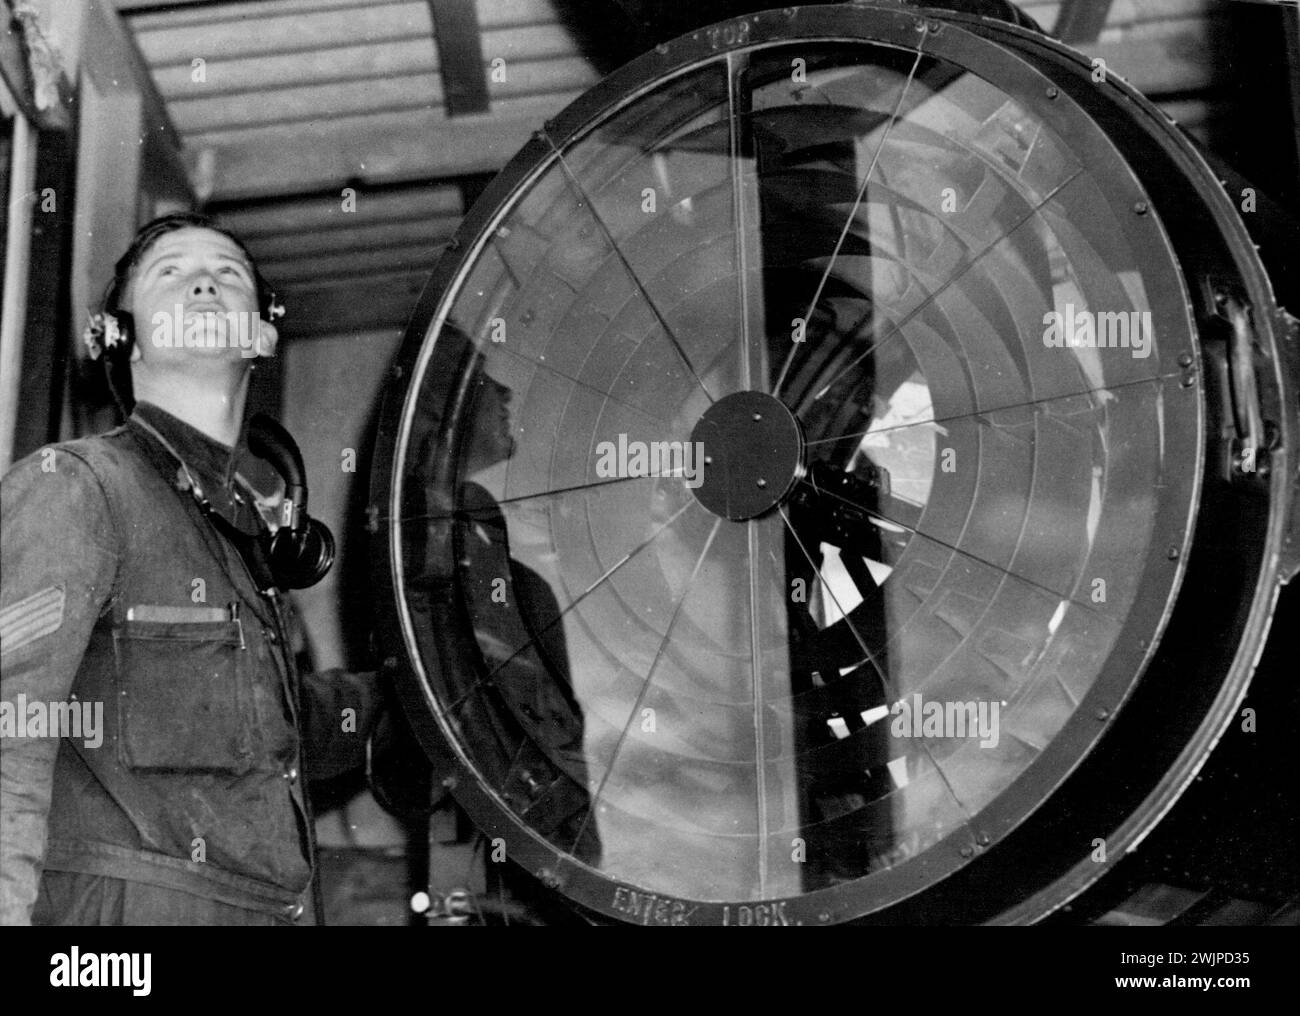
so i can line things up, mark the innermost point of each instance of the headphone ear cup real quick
(125, 325)
(301, 559)
(319, 550)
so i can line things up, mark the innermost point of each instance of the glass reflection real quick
(518, 690)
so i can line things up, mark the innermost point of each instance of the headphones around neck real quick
(301, 550)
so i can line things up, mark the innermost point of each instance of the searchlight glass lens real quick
(785, 469)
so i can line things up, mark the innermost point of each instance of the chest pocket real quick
(185, 695)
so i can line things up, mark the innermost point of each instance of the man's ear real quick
(268, 337)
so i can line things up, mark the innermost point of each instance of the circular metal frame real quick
(1017, 837)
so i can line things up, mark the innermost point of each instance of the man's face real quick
(492, 439)
(193, 298)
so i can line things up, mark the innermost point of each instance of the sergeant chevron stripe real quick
(27, 620)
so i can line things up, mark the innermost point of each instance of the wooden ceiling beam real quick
(537, 42)
(343, 268)
(210, 115)
(255, 74)
(366, 237)
(202, 115)
(146, 7)
(363, 304)
(284, 33)
(1081, 20)
(324, 211)
(460, 56)
(355, 152)
(150, 13)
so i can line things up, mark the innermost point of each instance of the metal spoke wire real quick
(645, 686)
(1029, 403)
(760, 742)
(484, 679)
(848, 222)
(557, 492)
(609, 397)
(618, 253)
(897, 328)
(967, 554)
(740, 142)
(885, 684)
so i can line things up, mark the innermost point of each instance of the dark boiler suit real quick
(115, 590)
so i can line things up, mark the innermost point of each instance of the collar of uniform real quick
(207, 458)
(209, 461)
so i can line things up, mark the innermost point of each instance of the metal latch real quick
(1252, 442)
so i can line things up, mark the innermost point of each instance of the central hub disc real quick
(753, 454)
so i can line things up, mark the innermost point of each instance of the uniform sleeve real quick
(57, 568)
(340, 709)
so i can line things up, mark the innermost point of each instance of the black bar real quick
(460, 56)
(1081, 20)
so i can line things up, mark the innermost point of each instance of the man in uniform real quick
(121, 598)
